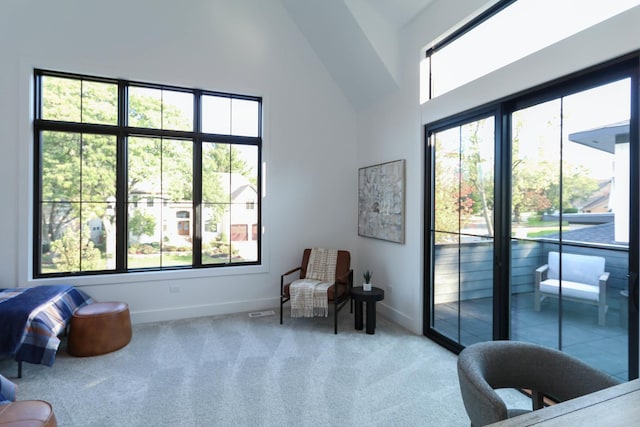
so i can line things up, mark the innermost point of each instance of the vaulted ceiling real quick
(357, 40)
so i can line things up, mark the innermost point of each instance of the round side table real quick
(359, 295)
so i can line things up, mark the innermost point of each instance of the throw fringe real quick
(309, 298)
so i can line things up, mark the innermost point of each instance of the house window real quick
(105, 144)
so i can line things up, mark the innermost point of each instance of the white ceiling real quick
(356, 40)
(399, 12)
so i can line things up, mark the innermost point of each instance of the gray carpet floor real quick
(235, 370)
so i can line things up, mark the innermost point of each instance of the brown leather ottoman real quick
(27, 413)
(99, 328)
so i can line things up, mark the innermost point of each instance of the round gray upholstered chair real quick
(487, 366)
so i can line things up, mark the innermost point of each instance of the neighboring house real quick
(239, 221)
(174, 221)
(599, 201)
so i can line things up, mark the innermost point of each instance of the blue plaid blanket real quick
(32, 318)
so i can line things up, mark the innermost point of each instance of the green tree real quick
(478, 171)
(453, 201)
(536, 183)
(141, 224)
(73, 252)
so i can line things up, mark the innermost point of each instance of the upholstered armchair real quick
(547, 373)
(338, 293)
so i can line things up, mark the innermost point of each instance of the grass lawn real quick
(153, 261)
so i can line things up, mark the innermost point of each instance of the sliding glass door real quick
(532, 222)
(462, 232)
(570, 225)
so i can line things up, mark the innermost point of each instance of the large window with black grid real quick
(133, 176)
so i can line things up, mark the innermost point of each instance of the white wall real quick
(393, 129)
(244, 46)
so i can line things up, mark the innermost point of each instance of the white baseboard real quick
(400, 318)
(175, 313)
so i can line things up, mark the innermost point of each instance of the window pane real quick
(55, 217)
(244, 196)
(78, 182)
(244, 117)
(447, 182)
(477, 146)
(229, 189)
(446, 285)
(216, 248)
(98, 167)
(177, 110)
(177, 187)
(462, 241)
(216, 166)
(521, 21)
(570, 225)
(61, 166)
(535, 169)
(145, 219)
(145, 107)
(61, 99)
(216, 114)
(243, 246)
(99, 103)
(94, 252)
(160, 175)
(144, 156)
(176, 235)
(144, 225)
(177, 170)
(67, 244)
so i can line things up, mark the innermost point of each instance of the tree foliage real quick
(141, 223)
(74, 251)
(464, 180)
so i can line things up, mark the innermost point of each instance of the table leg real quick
(371, 317)
(358, 315)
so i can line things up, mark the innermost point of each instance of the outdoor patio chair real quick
(583, 280)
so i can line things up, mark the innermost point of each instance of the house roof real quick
(602, 233)
(232, 183)
(603, 138)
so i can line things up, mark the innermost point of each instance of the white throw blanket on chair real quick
(309, 295)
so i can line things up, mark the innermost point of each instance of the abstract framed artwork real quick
(381, 201)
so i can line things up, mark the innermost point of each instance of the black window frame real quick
(121, 130)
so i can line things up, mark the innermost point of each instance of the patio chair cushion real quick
(576, 268)
(570, 289)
